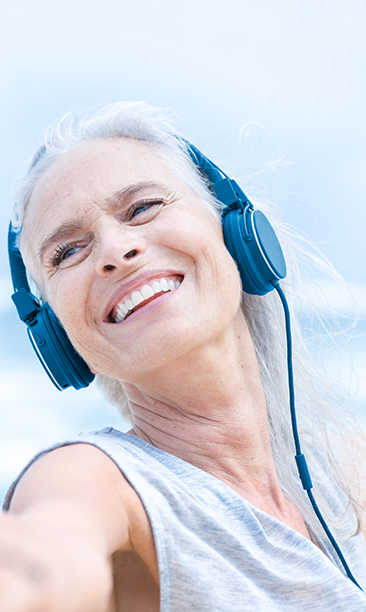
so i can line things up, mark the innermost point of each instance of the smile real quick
(142, 296)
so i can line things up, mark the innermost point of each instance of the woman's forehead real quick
(101, 160)
(87, 179)
(94, 171)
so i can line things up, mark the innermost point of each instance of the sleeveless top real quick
(217, 552)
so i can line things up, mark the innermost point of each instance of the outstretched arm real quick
(70, 512)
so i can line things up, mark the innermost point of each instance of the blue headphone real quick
(248, 235)
(250, 240)
(49, 339)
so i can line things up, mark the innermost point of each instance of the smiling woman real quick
(199, 506)
(117, 244)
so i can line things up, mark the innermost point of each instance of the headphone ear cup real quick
(253, 244)
(63, 364)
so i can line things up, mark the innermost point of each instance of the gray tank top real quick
(218, 553)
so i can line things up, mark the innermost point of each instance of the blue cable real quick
(299, 457)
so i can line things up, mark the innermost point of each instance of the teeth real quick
(146, 292)
(136, 298)
(156, 287)
(164, 285)
(122, 309)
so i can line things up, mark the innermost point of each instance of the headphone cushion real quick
(56, 353)
(259, 258)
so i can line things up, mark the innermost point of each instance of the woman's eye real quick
(64, 252)
(139, 210)
(146, 210)
(69, 252)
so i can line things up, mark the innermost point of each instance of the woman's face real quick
(106, 223)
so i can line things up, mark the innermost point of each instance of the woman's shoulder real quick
(84, 445)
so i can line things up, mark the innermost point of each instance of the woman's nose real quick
(118, 251)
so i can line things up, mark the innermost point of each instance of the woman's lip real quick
(136, 283)
(146, 308)
(137, 300)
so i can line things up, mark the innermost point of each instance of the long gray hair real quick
(319, 409)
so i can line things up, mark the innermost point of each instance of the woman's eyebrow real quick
(61, 233)
(114, 201)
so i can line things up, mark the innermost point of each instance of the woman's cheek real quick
(67, 304)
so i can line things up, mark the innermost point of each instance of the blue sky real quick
(274, 91)
(292, 72)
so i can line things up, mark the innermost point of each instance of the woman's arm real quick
(70, 512)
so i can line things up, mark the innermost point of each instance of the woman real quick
(198, 506)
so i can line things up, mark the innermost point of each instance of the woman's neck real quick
(210, 411)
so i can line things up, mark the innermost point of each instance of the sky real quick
(273, 91)
(284, 81)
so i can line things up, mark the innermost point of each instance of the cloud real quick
(348, 299)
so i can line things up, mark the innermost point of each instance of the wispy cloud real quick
(343, 299)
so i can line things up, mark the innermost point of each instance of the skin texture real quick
(186, 360)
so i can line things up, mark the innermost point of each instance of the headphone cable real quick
(299, 457)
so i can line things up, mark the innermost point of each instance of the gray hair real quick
(318, 406)
(135, 120)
